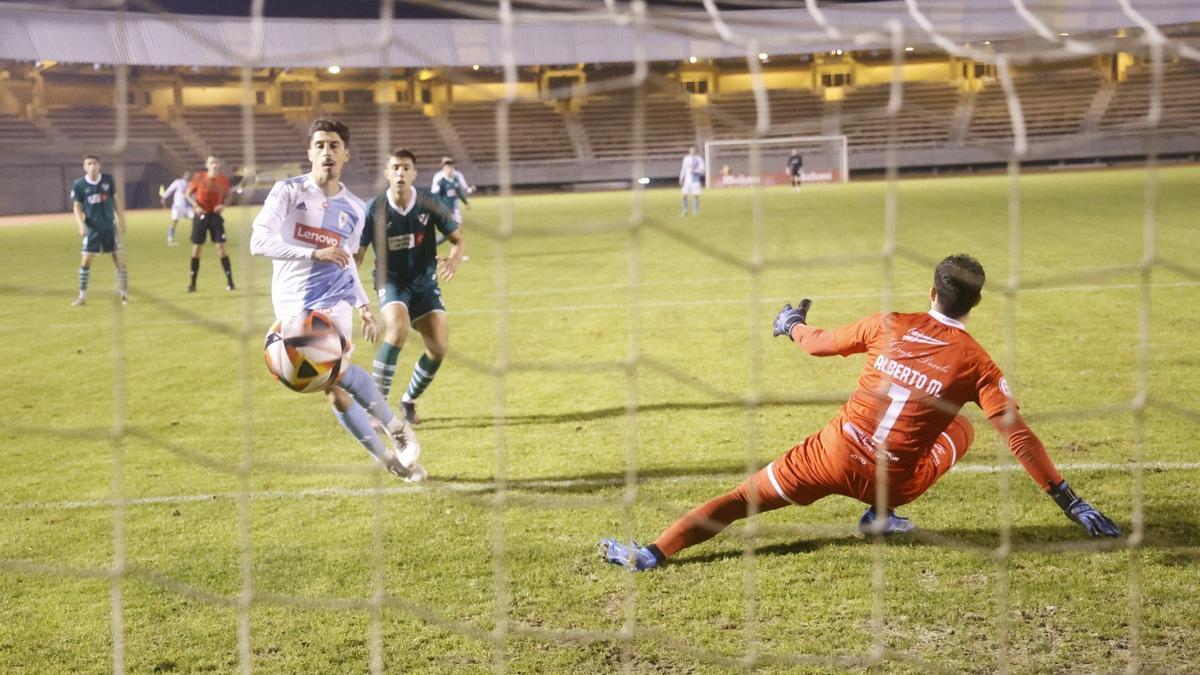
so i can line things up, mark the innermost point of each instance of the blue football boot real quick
(633, 557)
(893, 525)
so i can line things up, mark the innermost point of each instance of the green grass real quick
(162, 400)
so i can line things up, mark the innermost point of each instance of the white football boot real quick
(406, 450)
(411, 474)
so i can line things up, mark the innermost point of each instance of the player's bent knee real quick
(395, 334)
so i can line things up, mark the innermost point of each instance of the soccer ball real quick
(305, 351)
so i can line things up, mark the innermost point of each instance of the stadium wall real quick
(37, 180)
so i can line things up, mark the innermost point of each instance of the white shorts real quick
(342, 315)
(691, 187)
(178, 213)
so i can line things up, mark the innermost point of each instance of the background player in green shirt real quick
(450, 187)
(93, 197)
(405, 223)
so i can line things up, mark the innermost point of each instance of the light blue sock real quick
(696, 204)
(359, 384)
(356, 421)
(684, 204)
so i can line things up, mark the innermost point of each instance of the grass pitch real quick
(584, 353)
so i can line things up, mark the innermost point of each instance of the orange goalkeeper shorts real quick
(829, 463)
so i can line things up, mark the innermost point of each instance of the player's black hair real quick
(958, 280)
(329, 124)
(87, 157)
(405, 152)
(447, 160)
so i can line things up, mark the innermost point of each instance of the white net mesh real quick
(898, 124)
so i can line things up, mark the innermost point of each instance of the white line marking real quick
(624, 307)
(484, 486)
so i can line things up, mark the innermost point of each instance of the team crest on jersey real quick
(423, 218)
(302, 206)
(104, 186)
(914, 335)
(1004, 388)
(344, 220)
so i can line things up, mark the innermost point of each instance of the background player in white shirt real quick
(450, 187)
(691, 177)
(310, 227)
(180, 208)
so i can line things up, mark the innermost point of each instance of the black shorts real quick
(418, 302)
(205, 223)
(100, 241)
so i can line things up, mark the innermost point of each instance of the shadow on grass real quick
(1175, 542)
(583, 483)
(487, 422)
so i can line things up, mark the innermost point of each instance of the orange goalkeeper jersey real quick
(921, 369)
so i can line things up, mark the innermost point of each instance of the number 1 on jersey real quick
(899, 396)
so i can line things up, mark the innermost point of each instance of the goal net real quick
(613, 363)
(738, 163)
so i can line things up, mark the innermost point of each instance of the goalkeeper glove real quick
(789, 316)
(1097, 524)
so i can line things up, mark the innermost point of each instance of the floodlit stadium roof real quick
(602, 35)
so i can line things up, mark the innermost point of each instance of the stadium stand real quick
(1180, 98)
(277, 141)
(15, 130)
(94, 129)
(1054, 103)
(924, 120)
(1073, 112)
(406, 128)
(793, 113)
(536, 133)
(607, 121)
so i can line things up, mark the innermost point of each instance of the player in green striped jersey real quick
(93, 197)
(405, 223)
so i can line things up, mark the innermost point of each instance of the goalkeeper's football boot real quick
(633, 557)
(869, 523)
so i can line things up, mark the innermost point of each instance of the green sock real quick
(383, 368)
(422, 375)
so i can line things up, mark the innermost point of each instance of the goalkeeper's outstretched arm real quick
(1029, 451)
(792, 322)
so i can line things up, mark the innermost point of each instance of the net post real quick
(119, 567)
(500, 632)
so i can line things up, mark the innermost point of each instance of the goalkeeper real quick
(921, 369)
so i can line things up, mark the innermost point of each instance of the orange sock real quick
(705, 521)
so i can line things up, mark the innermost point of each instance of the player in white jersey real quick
(310, 227)
(691, 178)
(450, 187)
(180, 208)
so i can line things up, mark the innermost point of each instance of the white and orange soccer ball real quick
(306, 351)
